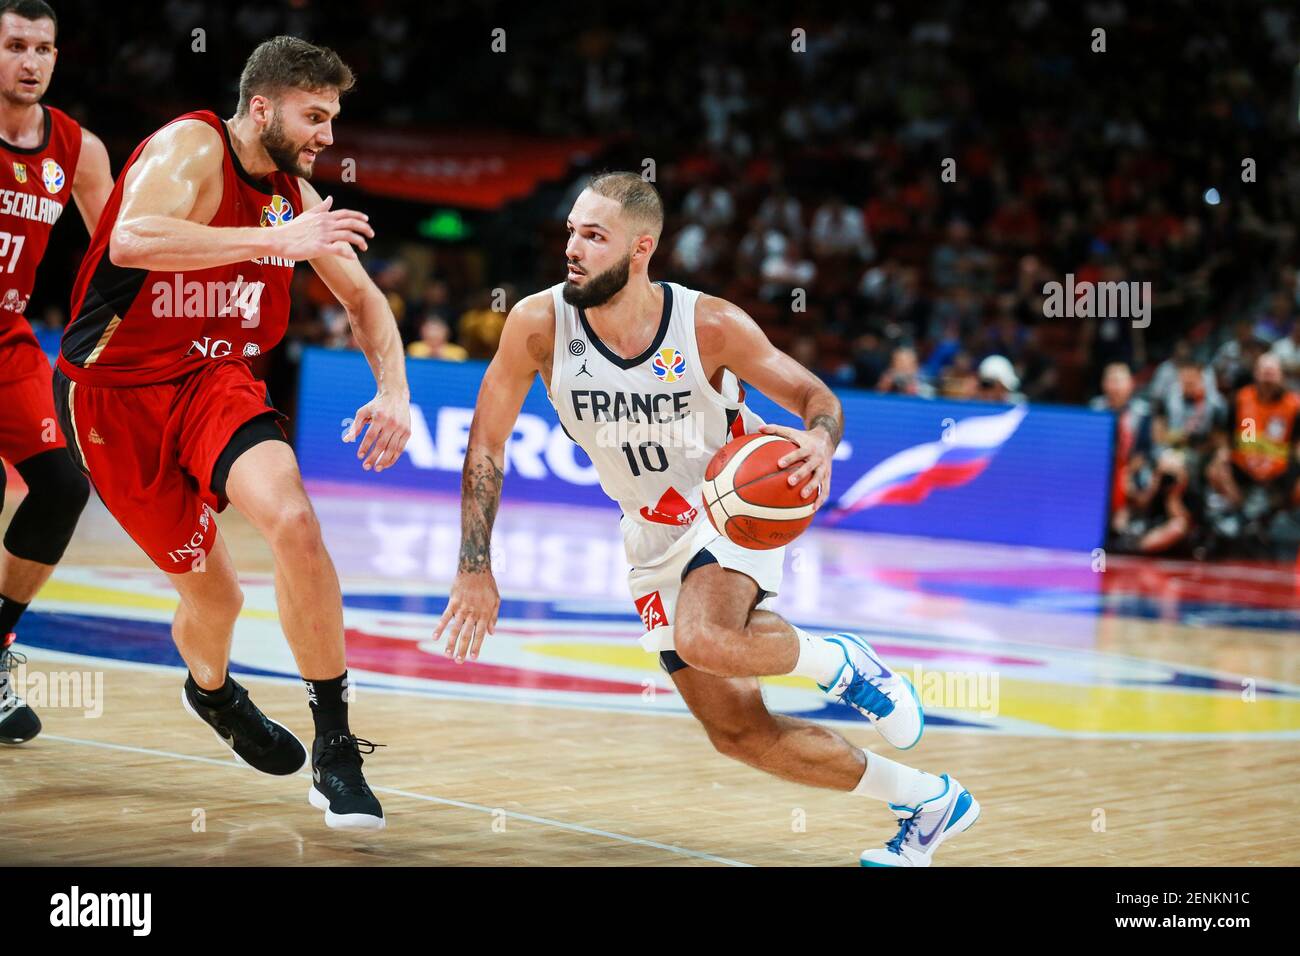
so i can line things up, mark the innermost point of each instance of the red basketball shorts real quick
(28, 422)
(150, 451)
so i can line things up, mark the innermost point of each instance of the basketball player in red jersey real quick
(45, 158)
(187, 277)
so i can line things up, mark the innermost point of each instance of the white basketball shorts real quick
(655, 587)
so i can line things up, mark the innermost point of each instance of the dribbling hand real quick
(816, 451)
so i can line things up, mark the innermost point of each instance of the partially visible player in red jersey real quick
(45, 159)
(187, 278)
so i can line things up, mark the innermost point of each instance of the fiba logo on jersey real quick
(669, 365)
(277, 212)
(13, 301)
(51, 175)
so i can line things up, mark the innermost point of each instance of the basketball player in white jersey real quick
(645, 378)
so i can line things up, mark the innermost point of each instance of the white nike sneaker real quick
(922, 828)
(886, 699)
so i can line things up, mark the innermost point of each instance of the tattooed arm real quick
(729, 338)
(525, 350)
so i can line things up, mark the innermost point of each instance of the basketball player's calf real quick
(37, 536)
(210, 600)
(265, 486)
(715, 625)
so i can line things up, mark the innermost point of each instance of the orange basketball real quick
(749, 499)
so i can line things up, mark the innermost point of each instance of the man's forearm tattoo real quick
(480, 490)
(832, 425)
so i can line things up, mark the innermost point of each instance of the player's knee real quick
(227, 604)
(702, 646)
(217, 605)
(295, 528)
(52, 476)
(691, 644)
(69, 487)
(43, 524)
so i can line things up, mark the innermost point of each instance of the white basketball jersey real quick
(650, 424)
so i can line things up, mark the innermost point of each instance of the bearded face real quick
(286, 154)
(598, 289)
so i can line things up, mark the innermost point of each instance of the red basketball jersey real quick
(35, 186)
(137, 327)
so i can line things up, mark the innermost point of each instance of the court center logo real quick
(669, 365)
(52, 176)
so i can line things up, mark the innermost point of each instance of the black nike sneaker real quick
(255, 738)
(338, 786)
(18, 722)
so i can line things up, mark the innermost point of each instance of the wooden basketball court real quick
(510, 771)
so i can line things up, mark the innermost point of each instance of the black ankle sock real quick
(10, 612)
(328, 700)
(211, 698)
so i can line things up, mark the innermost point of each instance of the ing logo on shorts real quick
(277, 212)
(669, 365)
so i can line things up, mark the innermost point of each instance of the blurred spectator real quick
(839, 230)
(1165, 380)
(997, 381)
(1265, 417)
(959, 379)
(1132, 430)
(785, 272)
(1158, 518)
(903, 376)
(760, 243)
(479, 329)
(1287, 351)
(435, 342)
(709, 205)
(435, 303)
(1257, 476)
(1232, 362)
(1191, 417)
(782, 212)
(692, 253)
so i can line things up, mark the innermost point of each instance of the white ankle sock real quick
(895, 783)
(819, 659)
